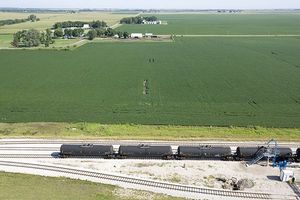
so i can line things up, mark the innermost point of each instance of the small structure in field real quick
(136, 35)
(151, 22)
(286, 175)
(148, 35)
(86, 26)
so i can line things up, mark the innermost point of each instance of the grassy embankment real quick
(28, 187)
(144, 132)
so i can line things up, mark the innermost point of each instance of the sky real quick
(155, 4)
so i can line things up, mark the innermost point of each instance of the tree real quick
(58, 33)
(110, 32)
(150, 18)
(132, 20)
(120, 34)
(17, 38)
(100, 32)
(68, 32)
(32, 38)
(77, 32)
(27, 38)
(32, 18)
(92, 34)
(125, 35)
(48, 38)
(98, 24)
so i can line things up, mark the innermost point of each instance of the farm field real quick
(228, 24)
(47, 20)
(192, 81)
(28, 187)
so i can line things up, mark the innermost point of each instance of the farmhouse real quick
(136, 35)
(151, 22)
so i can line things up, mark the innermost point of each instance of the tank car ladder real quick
(266, 151)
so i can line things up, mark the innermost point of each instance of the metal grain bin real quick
(204, 152)
(86, 150)
(145, 151)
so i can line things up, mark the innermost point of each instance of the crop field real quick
(48, 19)
(202, 24)
(191, 81)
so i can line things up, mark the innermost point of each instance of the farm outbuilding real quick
(148, 34)
(86, 26)
(136, 35)
(151, 22)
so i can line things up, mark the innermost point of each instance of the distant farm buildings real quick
(149, 35)
(151, 22)
(136, 35)
(86, 26)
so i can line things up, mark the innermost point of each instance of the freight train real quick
(166, 152)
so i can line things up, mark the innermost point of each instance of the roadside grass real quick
(145, 132)
(28, 187)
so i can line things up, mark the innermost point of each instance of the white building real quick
(148, 34)
(151, 22)
(136, 35)
(86, 26)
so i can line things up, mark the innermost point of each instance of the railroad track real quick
(137, 181)
(29, 149)
(26, 156)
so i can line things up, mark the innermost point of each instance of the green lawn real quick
(5, 40)
(28, 187)
(211, 24)
(192, 81)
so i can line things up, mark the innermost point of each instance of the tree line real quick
(32, 38)
(79, 24)
(31, 18)
(137, 20)
(92, 34)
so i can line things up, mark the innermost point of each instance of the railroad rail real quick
(27, 156)
(137, 181)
